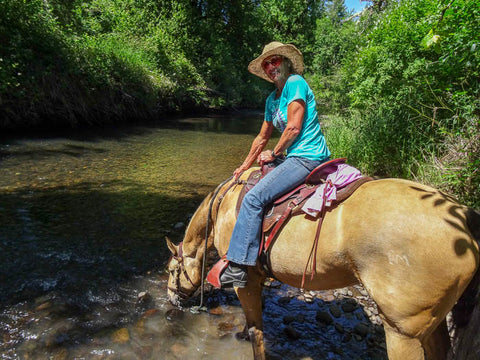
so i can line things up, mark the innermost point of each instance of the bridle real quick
(183, 270)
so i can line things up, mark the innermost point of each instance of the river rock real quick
(357, 337)
(338, 350)
(324, 317)
(373, 310)
(140, 326)
(347, 337)
(174, 314)
(349, 307)
(371, 342)
(300, 318)
(272, 283)
(361, 290)
(44, 306)
(143, 297)
(361, 329)
(179, 226)
(339, 328)
(291, 332)
(335, 310)
(242, 336)
(179, 350)
(61, 354)
(284, 300)
(341, 292)
(216, 311)
(151, 312)
(121, 336)
(308, 297)
(225, 326)
(379, 330)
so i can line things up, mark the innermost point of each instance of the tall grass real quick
(451, 164)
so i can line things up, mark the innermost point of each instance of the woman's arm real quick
(295, 113)
(258, 145)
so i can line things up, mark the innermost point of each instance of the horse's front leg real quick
(251, 299)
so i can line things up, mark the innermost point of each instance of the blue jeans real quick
(245, 240)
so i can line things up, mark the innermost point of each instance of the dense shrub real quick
(415, 85)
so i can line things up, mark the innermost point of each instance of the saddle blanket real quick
(326, 193)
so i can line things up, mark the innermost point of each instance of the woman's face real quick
(275, 67)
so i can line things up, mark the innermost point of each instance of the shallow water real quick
(83, 216)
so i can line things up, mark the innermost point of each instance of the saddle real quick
(291, 203)
(288, 205)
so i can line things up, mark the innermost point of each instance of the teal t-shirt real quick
(310, 142)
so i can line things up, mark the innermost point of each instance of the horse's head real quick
(185, 274)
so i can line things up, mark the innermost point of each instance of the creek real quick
(83, 218)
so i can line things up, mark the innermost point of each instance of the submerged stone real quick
(121, 336)
(324, 317)
(291, 332)
(335, 310)
(349, 307)
(216, 311)
(174, 314)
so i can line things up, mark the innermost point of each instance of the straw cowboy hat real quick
(277, 48)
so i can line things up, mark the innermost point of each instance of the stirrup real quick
(213, 276)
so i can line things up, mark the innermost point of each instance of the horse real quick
(413, 248)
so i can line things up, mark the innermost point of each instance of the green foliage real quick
(334, 42)
(415, 84)
(291, 21)
(405, 77)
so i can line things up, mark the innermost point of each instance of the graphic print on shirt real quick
(279, 120)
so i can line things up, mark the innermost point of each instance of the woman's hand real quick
(238, 172)
(265, 157)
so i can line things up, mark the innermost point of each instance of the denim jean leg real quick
(245, 240)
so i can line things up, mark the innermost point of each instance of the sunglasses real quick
(274, 61)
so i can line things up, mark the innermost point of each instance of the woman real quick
(292, 110)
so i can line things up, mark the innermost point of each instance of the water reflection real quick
(230, 125)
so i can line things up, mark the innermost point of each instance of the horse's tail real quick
(466, 313)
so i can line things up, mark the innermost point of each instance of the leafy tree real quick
(291, 21)
(334, 41)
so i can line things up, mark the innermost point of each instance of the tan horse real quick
(413, 248)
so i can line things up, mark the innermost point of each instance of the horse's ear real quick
(173, 248)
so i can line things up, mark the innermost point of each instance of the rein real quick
(202, 285)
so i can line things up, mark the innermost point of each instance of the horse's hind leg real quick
(251, 299)
(401, 347)
(438, 343)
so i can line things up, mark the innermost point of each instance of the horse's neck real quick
(195, 232)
